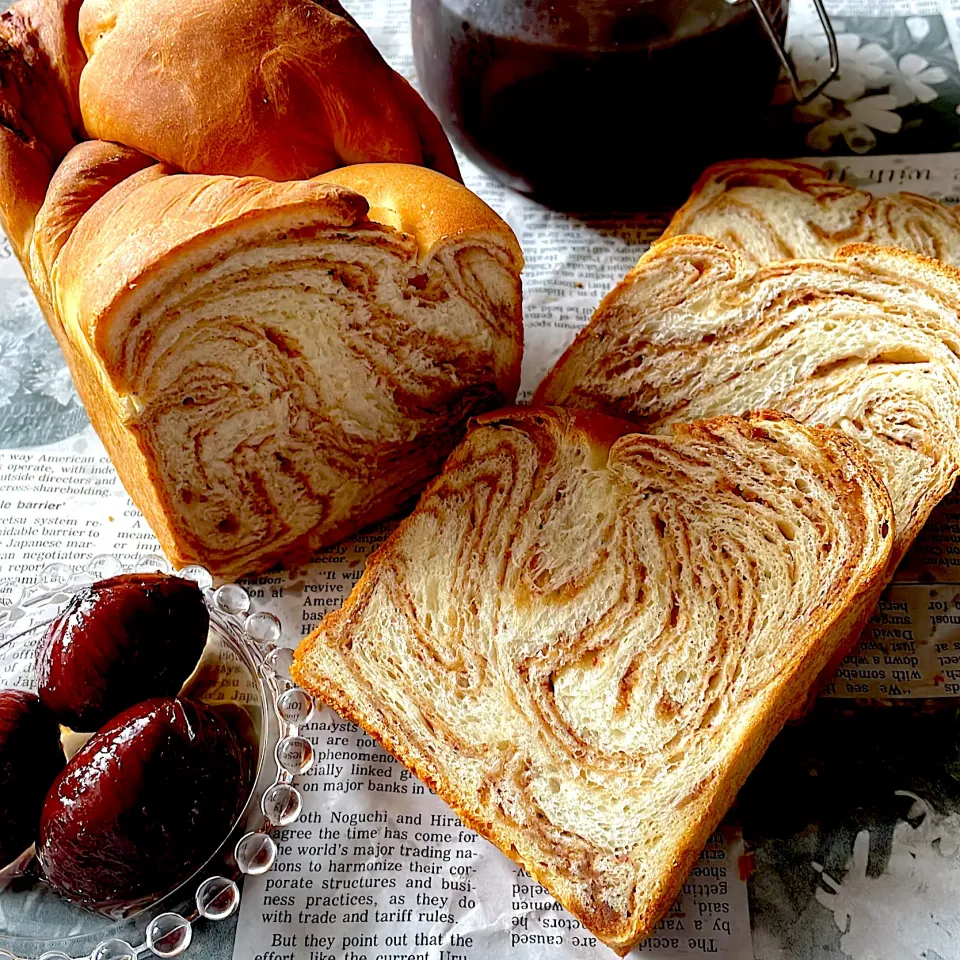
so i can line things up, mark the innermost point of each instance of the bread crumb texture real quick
(290, 368)
(583, 638)
(781, 209)
(868, 343)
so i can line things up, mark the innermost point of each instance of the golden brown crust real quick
(939, 277)
(363, 663)
(306, 56)
(782, 210)
(87, 173)
(296, 89)
(40, 62)
(425, 204)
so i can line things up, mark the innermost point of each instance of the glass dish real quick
(244, 670)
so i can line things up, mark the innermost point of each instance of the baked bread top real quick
(868, 342)
(302, 90)
(781, 210)
(282, 89)
(583, 638)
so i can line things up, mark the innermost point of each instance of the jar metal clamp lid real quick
(803, 95)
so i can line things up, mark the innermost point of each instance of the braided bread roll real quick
(868, 342)
(780, 210)
(583, 639)
(284, 89)
(274, 365)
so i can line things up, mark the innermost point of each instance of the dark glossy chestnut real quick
(30, 759)
(120, 641)
(145, 803)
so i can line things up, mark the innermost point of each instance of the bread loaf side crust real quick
(87, 173)
(40, 63)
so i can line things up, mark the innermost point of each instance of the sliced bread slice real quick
(583, 638)
(781, 209)
(868, 342)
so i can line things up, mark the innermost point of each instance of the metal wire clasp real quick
(802, 95)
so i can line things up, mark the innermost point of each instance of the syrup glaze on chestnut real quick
(145, 803)
(120, 641)
(30, 759)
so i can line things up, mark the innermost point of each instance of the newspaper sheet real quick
(377, 867)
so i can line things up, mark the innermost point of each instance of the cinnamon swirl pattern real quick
(868, 343)
(291, 368)
(584, 638)
(781, 210)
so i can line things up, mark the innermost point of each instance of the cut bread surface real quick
(782, 210)
(868, 342)
(287, 368)
(584, 638)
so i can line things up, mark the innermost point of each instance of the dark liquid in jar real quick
(589, 104)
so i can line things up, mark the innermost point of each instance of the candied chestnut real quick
(145, 802)
(30, 758)
(120, 641)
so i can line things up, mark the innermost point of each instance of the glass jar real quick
(600, 103)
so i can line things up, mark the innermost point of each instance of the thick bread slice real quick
(868, 342)
(583, 638)
(779, 210)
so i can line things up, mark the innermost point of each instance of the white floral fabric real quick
(874, 82)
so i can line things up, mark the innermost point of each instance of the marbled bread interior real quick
(584, 638)
(275, 365)
(868, 342)
(781, 210)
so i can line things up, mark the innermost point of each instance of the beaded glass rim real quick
(25, 608)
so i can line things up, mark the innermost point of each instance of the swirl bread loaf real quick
(274, 365)
(868, 342)
(271, 365)
(781, 210)
(584, 638)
